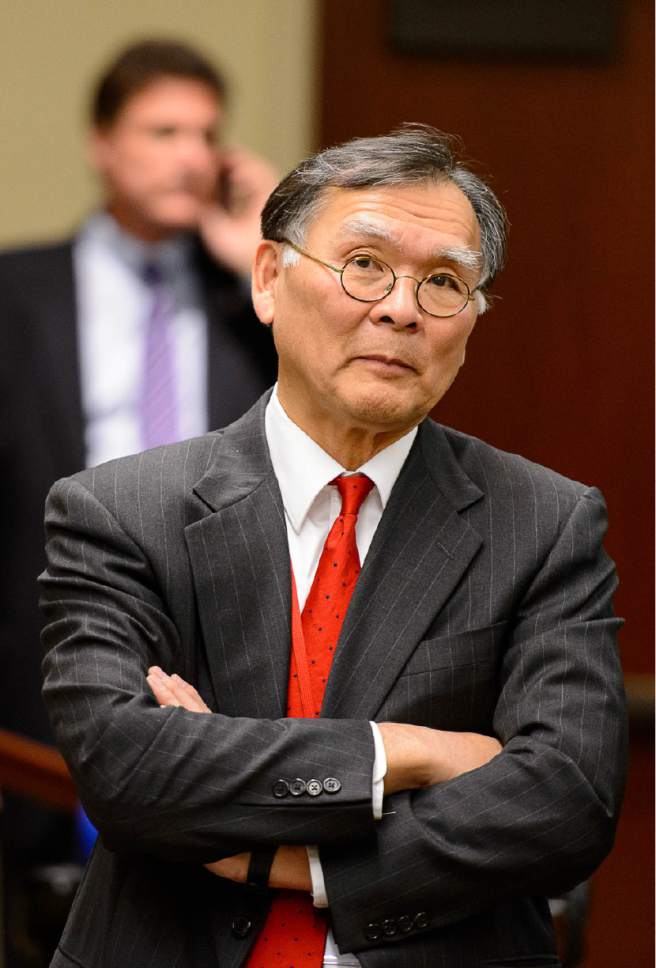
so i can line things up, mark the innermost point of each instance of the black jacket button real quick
(280, 788)
(297, 787)
(421, 920)
(404, 923)
(332, 785)
(373, 931)
(241, 925)
(389, 927)
(314, 787)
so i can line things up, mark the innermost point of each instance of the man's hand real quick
(230, 227)
(290, 869)
(419, 757)
(174, 691)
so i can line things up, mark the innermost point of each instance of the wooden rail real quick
(36, 771)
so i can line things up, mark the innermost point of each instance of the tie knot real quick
(152, 274)
(353, 489)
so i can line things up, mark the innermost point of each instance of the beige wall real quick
(51, 53)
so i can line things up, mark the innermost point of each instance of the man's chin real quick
(177, 218)
(384, 408)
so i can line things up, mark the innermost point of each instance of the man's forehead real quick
(169, 94)
(390, 212)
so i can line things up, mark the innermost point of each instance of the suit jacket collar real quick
(241, 462)
(240, 562)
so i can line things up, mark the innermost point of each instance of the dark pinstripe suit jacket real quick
(484, 604)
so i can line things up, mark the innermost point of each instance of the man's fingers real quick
(161, 690)
(232, 868)
(290, 869)
(186, 690)
(174, 691)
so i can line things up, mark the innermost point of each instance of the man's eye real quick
(164, 131)
(443, 280)
(367, 264)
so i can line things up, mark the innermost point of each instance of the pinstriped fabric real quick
(555, 702)
(483, 604)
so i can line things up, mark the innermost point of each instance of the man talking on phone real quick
(136, 331)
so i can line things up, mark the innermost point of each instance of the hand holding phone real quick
(230, 226)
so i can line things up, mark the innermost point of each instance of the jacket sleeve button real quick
(240, 926)
(314, 787)
(373, 931)
(421, 920)
(297, 787)
(280, 788)
(332, 785)
(389, 927)
(404, 923)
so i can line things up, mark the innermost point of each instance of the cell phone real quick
(225, 193)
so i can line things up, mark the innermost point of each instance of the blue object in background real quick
(85, 833)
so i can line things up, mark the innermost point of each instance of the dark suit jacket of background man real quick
(41, 439)
(483, 604)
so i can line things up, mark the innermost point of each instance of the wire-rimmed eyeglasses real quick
(368, 279)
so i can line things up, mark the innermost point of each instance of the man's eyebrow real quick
(461, 255)
(363, 227)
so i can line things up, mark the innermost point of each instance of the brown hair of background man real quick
(142, 63)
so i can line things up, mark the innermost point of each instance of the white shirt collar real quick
(303, 469)
(172, 254)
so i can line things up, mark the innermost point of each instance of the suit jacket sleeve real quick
(181, 785)
(539, 817)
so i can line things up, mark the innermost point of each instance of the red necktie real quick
(294, 933)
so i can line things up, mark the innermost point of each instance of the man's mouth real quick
(385, 362)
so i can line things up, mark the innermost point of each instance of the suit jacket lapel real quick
(419, 553)
(240, 563)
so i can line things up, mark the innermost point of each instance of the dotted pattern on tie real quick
(158, 392)
(294, 933)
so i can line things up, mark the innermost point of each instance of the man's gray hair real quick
(411, 154)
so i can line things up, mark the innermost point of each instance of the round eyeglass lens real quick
(365, 278)
(443, 294)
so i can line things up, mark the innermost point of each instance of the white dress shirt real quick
(113, 303)
(311, 506)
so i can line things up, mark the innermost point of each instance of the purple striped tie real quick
(158, 399)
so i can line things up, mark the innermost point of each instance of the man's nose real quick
(194, 150)
(399, 307)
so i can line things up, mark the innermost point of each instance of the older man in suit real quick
(339, 685)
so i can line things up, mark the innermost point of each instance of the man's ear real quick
(264, 278)
(97, 149)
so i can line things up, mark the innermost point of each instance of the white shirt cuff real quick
(316, 875)
(380, 769)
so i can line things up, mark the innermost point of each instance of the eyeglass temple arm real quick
(307, 255)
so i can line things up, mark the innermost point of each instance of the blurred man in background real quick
(136, 331)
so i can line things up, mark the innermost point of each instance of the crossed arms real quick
(416, 757)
